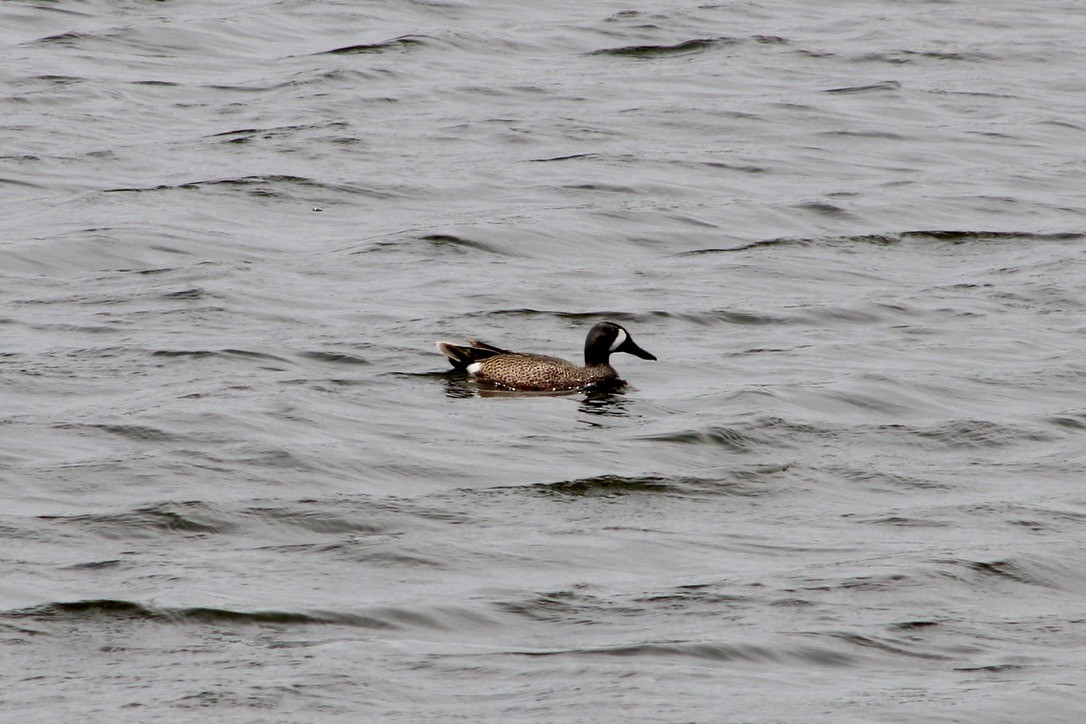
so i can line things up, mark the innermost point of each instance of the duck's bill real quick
(630, 348)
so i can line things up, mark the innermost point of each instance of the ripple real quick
(403, 42)
(222, 353)
(152, 521)
(728, 438)
(462, 244)
(711, 651)
(951, 236)
(709, 317)
(695, 45)
(96, 610)
(609, 485)
(888, 85)
(965, 434)
(335, 358)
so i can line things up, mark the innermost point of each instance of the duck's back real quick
(540, 372)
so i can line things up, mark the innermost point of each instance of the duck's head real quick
(608, 337)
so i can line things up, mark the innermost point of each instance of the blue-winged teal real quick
(524, 371)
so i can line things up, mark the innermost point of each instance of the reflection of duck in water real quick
(524, 371)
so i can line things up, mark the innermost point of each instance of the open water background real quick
(237, 482)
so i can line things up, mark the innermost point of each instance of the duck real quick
(536, 372)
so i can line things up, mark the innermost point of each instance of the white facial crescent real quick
(619, 340)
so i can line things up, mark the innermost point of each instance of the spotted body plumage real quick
(535, 372)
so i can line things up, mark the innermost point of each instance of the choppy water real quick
(238, 481)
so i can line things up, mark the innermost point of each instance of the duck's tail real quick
(460, 356)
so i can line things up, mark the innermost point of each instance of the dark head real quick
(608, 337)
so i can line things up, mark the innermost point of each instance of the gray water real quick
(238, 482)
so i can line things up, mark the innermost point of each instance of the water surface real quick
(239, 482)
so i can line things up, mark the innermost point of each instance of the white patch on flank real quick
(619, 340)
(474, 367)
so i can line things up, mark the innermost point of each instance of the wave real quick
(711, 651)
(694, 45)
(729, 438)
(962, 434)
(403, 42)
(382, 618)
(889, 85)
(737, 481)
(952, 236)
(731, 316)
(200, 518)
(265, 186)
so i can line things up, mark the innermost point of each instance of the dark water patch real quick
(529, 313)
(961, 236)
(997, 570)
(280, 186)
(1062, 124)
(335, 358)
(901, 521)
(769, 243)
(877, 479)
(140, 433)
(96, 610)
(992, 668)
(274, 458)
(245, 135)
(186, 519)
(21, 183)
(222, 353)
(570, 157)
(607, 188)
(392, 558)
(712, 652)
(889, 646)
(148, 272)
(569, 606)
(950, 236)
(682, 597)
(706, 318)
(606, 401)
(745, 168)
(609, 485)
(899, 57)
(317, 521)
(696, 45)
(403, 42)
(823, 208)
(913, 625)
(869, 314)
(728, 438)
(873, 582)
(193, 293)
(461, 244)
(693, 221)
(315, 77)
(1033, 517)
(1070, 421)
(69, 38)
(186, 353)
(94, 565)
(748, 481)
(965, 434)
(868, 133)
(56, 80)
(889, 85)
(713, 317)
